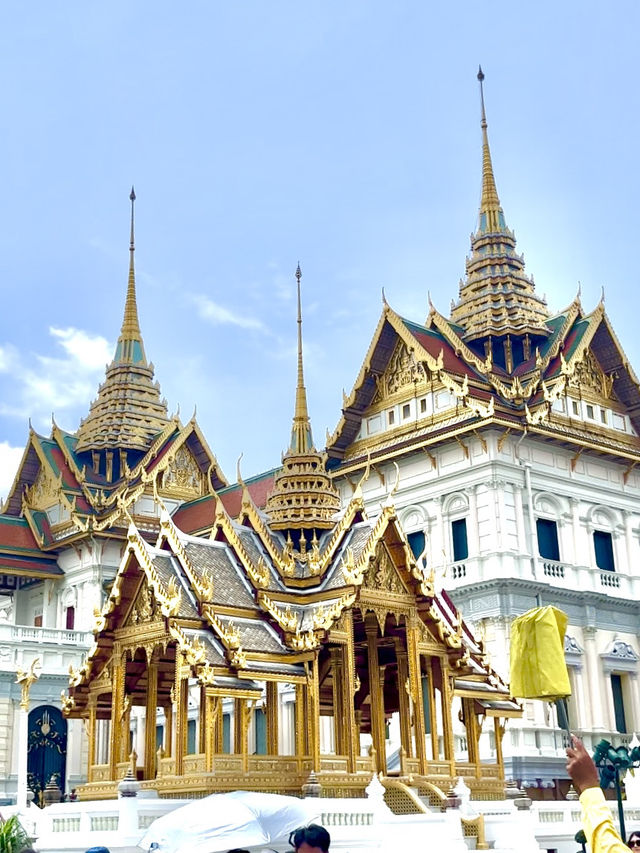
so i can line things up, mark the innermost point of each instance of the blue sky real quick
(344, 134)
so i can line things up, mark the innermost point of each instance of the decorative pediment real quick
(589, 376)
(145, 607)
(403, 371)
(45, 491)
(382, 575)
(182, 477)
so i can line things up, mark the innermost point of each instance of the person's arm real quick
(596, 814)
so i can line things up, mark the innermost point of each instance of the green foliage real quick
(13, 837)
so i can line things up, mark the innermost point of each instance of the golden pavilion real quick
(265, 639)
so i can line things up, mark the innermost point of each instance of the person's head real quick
(98, 850)
(238, 850)
(310, 839)
(634, 841)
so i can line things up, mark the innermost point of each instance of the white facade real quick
(500, 486)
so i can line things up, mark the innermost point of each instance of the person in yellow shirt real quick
(596, 814)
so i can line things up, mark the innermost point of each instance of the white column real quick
(23, 746)
(474, 550)
(522, 536)
(593, 678)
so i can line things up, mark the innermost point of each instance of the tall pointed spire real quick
(301, 438)
(491, 216)
(497, 298)
(128, 411)
(303, 497)
(130, 346)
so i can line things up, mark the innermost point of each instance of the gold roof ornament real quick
(496, 297)
(303, 497)
(128, 411)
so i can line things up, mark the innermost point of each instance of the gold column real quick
(435, 742)
(125, 737)
(415, 686)
(168, 729)
(272, 717)
(117, 709)
(202, 721)
(91, 735)
(376, 698)
(301, 728)
(404, 709)
(181, 716)
(150, 719)
(219, 726)
(239, 745)
(209, 727)
(498, 728)
(313, 704)
(351, 728)
(337, 679)
(471, 726)
(447, 722)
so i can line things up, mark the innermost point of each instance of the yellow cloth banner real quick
(538, 667)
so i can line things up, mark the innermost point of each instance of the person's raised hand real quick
(580, 766)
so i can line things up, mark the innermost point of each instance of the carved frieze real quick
(382, 574)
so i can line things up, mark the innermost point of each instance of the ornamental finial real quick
(481, 78)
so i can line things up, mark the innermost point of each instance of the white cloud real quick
(218, 315)
(9, 460)
(90, 352)
(45, 383)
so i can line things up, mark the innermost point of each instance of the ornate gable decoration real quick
(382, 575)
(183, 477)
(145, 607)
(45, 491)
(403, 371)
(589, 376)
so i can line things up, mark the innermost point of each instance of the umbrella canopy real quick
(538, 666)
(223, 821)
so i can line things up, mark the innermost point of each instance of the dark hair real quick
(634, 834)
(98, 850)
(313, 835)
(238, 850)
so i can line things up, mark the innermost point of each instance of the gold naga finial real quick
(25, 678)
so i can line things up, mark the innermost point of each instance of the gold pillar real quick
(447, 722)
(313, 704)
(415, 687)
(404, 709)
(338, 699)
(150, 719)
(219, 726)
(431, 696)
(168, 730)
(202, 721)
(91, 735)
(351, 727)
(376, 697)
(471, 726)
(209, 726)
(181, 716)
(272, 717)
(117, 709)
(498, 728)
(239, 746)
(301, 728)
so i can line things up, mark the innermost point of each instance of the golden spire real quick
(130, 348)
(303, 497)
(497, 298)
(491, 215)
(301, 438)
(128, 411)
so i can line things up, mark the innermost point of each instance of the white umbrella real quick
(223, 821)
